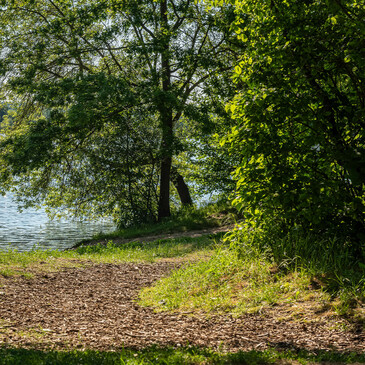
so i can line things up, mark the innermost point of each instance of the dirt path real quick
(94, 307)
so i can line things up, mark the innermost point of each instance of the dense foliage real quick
(300, 118)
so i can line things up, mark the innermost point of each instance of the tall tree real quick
(100, 89)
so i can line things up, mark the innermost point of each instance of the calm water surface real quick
(33, 228)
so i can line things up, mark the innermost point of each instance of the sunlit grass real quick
(183, 247)
(242, 278)
(185, 355)
(228, 283)
(13, 263)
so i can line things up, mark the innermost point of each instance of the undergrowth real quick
(329, 261)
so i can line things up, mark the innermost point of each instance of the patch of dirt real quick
(162, 236)
(95, 307)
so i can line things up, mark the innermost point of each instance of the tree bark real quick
(164, 198)
(181, 187)
(165, 111)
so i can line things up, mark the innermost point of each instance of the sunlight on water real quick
(24, 230)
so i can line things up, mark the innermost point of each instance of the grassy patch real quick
(183, 355)
(184, 247)
(329, 262)
(14, 263)
(229, 283)
(242, 277)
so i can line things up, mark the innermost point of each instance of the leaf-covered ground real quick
(95, 307)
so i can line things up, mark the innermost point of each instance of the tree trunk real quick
(165, 111)
(164, 198)
(181, 187)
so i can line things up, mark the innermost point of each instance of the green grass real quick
(240, 277)
(179, 355)
(187, 219)
(14, 263)
(229, 283)
(329, 261)
(150, 251)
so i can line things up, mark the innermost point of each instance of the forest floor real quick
(96, 307)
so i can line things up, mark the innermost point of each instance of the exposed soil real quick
(94, 307)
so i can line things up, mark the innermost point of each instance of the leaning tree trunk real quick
(165, 111)
(181, 187)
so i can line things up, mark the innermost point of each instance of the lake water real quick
(32, 228)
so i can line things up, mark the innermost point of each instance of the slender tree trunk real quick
(181, 187)
(165, 110)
